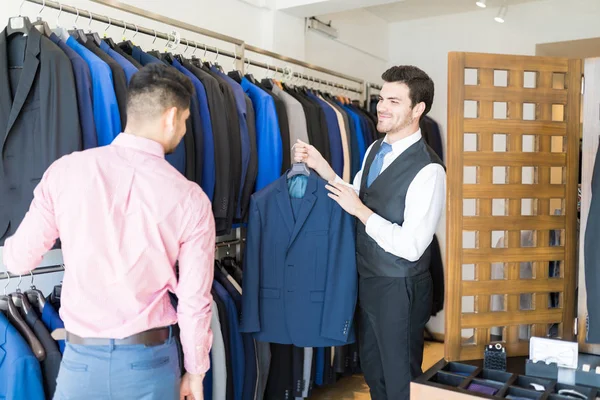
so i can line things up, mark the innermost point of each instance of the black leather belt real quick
(152, 337)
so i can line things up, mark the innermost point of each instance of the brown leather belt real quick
(152, 337)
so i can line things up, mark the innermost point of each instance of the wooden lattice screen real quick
(513, 148)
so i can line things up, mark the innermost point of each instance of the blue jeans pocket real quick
(74, 366)
(150, 364)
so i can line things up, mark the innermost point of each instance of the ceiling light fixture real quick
(481, 3)
(501, 14)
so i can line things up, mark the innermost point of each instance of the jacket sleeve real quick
(342, 278)
(250, 320)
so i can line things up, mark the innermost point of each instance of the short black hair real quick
(156, 88)
(419, 84)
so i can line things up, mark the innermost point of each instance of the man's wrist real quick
(363, 213)
(326, 172)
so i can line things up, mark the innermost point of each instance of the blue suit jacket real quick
(52, 321)
(360, 137)
(20, 372)
(250, 369)
(300, 278)
(124, 63)
(235, 340)
(83, 81)
(106, 108)
(268, 138)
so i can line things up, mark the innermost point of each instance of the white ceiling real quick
(417, 9)
(310, 8)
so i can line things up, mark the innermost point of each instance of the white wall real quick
(360, 50)
(426, 43)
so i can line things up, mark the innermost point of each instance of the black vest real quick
(386, 197)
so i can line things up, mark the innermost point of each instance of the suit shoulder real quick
(51, 51)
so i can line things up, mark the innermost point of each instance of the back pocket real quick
(150, 364)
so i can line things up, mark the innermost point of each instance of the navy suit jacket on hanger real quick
(300, 278)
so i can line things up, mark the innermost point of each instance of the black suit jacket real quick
(36, 128)
(218, 119)
(132, 60)
(50, 364)
(119, 79)
(235, 149)
(252, 171)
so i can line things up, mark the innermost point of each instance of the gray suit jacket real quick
(296, 118)
(38, 125)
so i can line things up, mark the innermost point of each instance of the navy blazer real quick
(300, 278)
(83, 81)
(235, 338)
(250, 369)
(20, 372)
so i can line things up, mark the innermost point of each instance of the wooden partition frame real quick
(530, 84)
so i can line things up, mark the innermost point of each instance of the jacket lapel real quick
(283, 201)
(308, 203)
(5, 94)
(29, 71)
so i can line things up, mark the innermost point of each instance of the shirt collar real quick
(403, 144)
(139, 143)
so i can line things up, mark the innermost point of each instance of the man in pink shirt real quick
(125, 216)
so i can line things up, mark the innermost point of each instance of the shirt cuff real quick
(374, 225)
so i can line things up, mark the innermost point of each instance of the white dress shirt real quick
(423, 207)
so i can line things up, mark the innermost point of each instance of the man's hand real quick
(347, 198)
(308, 154)
(191, 387)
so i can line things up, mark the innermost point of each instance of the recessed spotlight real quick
(481, 3)
(501, 14)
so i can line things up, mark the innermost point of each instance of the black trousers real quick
(392, 318)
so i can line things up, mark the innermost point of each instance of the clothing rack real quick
(132, 27)
(37, 271)
(242, 46)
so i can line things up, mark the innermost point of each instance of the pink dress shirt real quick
(124, 216)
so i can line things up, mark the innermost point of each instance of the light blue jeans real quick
(112, 372)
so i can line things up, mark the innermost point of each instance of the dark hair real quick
(419, 84)
(156, 88)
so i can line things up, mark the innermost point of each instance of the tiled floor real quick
(355, 388)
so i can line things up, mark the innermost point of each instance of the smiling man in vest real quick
(398, 196)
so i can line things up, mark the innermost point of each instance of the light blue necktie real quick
(378, 162)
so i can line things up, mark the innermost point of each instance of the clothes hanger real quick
(59, 30)
(108, 40)
(299, 168)
(93, 36)
(16, 319)
(235, 74)
(18, 24)
(20, 299)
(127, 45)
(266, 82)
(42, 25)
(36, 296)
(78, 34)
(248, 75)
